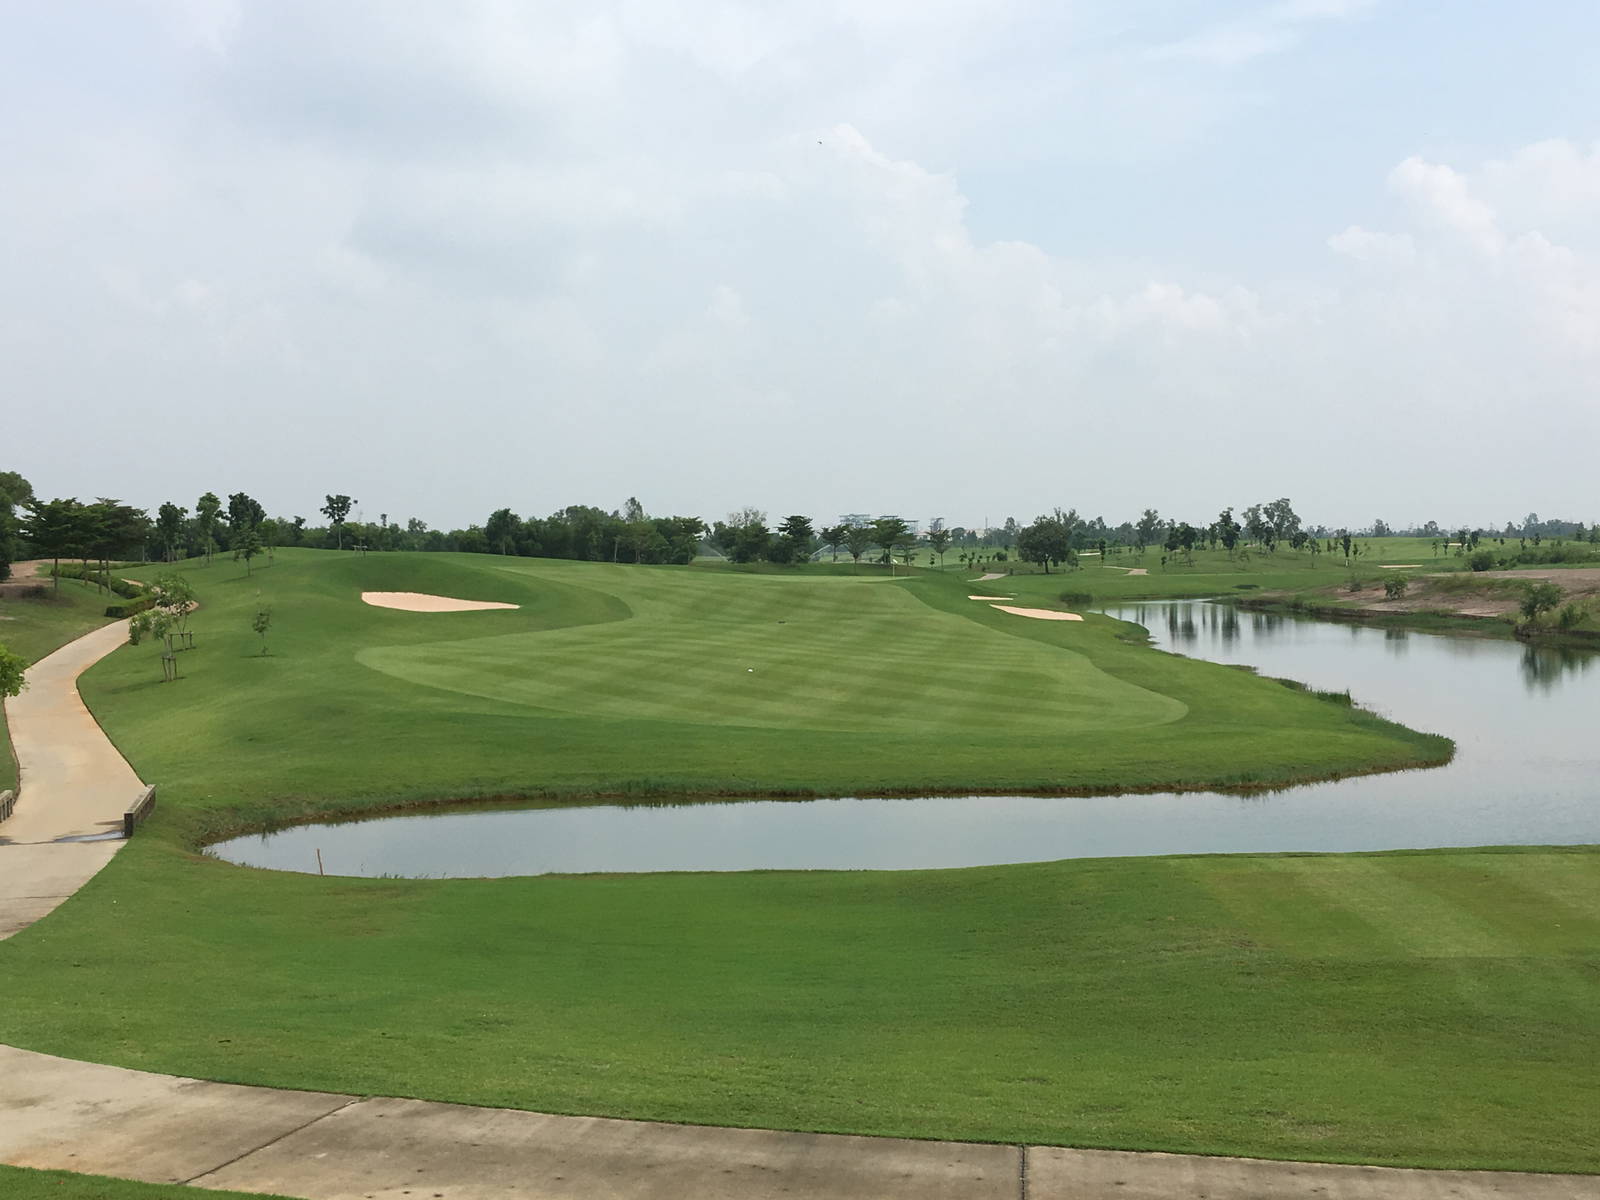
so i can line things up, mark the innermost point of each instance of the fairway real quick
(828, 654)
(659, 680)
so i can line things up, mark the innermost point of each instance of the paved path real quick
(74, 784)
(78, 1116)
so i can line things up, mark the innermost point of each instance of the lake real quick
(1526, 721)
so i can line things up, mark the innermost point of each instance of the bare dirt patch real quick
(423, 602)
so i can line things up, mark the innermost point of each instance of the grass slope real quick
(1436, 1009)
(640, 679)
(1432, 1009)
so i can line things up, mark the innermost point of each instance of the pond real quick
(1527, 771)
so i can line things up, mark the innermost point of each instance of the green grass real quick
(644, 680)
(1434, 1009)
(21, 1183)
(33, 627)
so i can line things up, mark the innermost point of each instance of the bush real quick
(1395, 586)
(1540, 598)
(1355, 585)
(131, 608)
(1570, 616)
(1481, 560)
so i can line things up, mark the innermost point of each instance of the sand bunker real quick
(991, 597)
(1137, 570)
(989, 576)
(422, 602)
(1399, 566)
(1041, 614)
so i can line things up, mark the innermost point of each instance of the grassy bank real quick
(639, 680)
(1433, 1009)
(1416, 1008)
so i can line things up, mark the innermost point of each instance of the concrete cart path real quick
(74, 784)
(68, 1115)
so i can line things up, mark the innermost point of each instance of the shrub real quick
(1540, 598)
(1570, 616)
(1394, 586)
(1481, 560)
(1354, 585)
(131, 608)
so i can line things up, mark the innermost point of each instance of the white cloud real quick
(1267, 31)
(1376, 249)
(464, 233)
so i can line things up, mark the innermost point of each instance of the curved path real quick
(78, 1116)
(73, 785)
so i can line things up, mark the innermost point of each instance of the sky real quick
(960, 258)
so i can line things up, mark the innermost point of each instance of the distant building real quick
(855, 520)
(936, 524)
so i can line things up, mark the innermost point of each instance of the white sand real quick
(422, 602)
(1138, 570)
(1399, 566)
(991, 597)
(1041, 614)
(989, 576)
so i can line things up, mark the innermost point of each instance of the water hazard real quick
(1527, 771)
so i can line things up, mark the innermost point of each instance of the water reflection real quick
(1543, 667)
(1525, 772)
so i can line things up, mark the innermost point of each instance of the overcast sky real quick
(970, 258)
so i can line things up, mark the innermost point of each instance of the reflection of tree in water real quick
(1261, 623)
(1228, 623)
(1180, 623)
(1396, 641)
(1543, 666)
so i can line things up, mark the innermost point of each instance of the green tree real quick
(856, 540)
(1539, 599)
(833, 538)
(169, 528)
(260, 623)
(1044, 542)
(337, 510)
(1228, 530)
(751, 542)
(174, 595)
(12, 669)
(795, 536)
(1147, 530)
(15, 492)
(243, 513)
(890, 533)
(501, 530)
(247, 546)
(206, 510)
(939, 542)
(52, 526)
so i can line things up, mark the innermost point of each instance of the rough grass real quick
(21, 1183)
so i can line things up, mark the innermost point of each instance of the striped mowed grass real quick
(820, 653)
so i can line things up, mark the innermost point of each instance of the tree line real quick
(106, 529)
